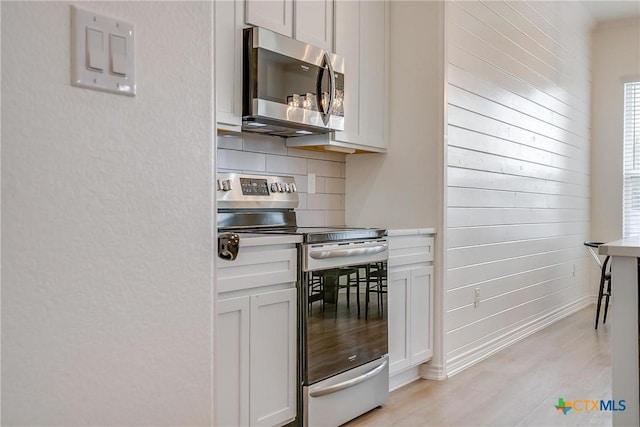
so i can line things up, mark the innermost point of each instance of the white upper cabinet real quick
(313, 23)
(228, 56)
(274, 15)
(355, 30)
(310, 21)
(361, 37)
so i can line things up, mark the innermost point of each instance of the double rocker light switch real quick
(118, 55)
(102, 53)
(95, 49)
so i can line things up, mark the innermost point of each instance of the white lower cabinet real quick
(256, 357)
(410, 286)
(256, 327)
(232, 359)
(410, 312)
(272, 364)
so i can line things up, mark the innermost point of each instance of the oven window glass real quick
(345, 310)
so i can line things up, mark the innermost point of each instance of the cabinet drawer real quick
(413, 249)
(260, 266)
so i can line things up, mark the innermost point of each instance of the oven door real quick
(343, 307)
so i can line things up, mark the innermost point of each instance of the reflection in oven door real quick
(345, 319)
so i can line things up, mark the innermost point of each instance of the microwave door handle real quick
(321, 71)
(325, 111)
(332, 85)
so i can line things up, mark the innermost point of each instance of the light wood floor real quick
(518, 386)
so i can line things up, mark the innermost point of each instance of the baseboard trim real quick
(429, 371)
(480, 353)
(403, 378)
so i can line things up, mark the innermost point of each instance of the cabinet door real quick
(228, 55)
(273, 357)
(361, 36)
(398, 319)
(373, 72)
(274, 15)
(313, 23)
(232, 362)
(421, 314)
(347, 44)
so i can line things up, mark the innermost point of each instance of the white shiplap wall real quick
(259, 154)
(518, 97)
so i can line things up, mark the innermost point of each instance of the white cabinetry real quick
(256, 337)
(274, 15)
(232, 358)
(229, 17)
(310, 21)
(410, 296)
(272, 360)
(361, 36)
(313, 23)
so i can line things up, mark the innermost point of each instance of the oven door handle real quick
(340, 253)
(350, 383)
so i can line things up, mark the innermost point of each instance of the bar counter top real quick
(625, 247)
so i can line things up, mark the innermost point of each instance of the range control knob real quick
(226, 185)
(274, 187)
(293, 187)
(287, 187)
(219, 184)
(280, 188)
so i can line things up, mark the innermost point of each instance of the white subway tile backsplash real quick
(326, 168)
(232, 142)
(333, 202)
(334, 185)
(307, 154)
(334, 218)
(286, 165)
(310, 219)
(241, 160)
(302, 204)
(301, 182)
(265, 144)
(253, 153)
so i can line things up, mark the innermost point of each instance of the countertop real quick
(625, 247)
(411, 231)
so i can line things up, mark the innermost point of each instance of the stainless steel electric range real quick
(342, 297)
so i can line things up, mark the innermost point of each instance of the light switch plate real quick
(106, 79)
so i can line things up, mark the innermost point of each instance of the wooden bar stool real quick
(605, 276)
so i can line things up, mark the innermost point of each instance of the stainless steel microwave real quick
(290, 88)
